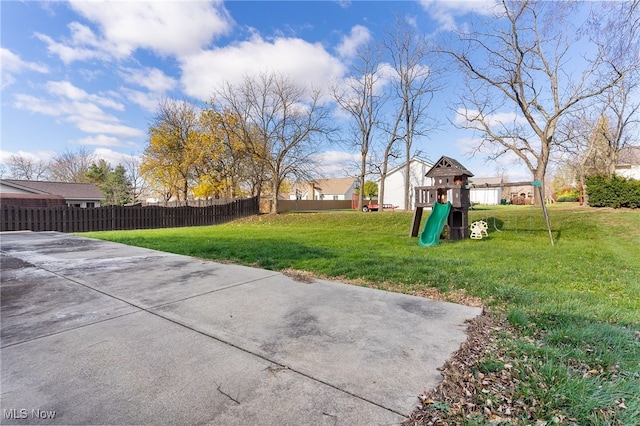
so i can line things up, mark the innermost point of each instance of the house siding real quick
(632, 172)
(490, 196)
(6, 189)
(394, 183)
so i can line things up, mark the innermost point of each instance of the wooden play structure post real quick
(450, 183)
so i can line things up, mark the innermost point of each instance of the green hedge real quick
(613, 191)
(568, 198)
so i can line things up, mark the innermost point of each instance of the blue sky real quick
(90, 74)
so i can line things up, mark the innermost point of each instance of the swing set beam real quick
(535, 183)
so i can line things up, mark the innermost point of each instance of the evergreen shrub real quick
(612, 191)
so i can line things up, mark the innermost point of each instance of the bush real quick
(612, 191)
(567, 194)
(568, 198)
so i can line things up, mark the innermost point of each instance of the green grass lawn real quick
(574, 308)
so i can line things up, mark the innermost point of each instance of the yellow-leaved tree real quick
(169, 161)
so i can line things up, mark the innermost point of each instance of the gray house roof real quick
(70, 191)
(479, 181)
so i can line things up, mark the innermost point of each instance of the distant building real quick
(396, 178)
(324, 189)
(629, 162)
(42, 194)
(487, 196)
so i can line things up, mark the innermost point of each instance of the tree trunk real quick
(274, 190)
(383, 175)
(538, 175)
(363, 169)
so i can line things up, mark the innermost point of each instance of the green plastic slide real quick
(430, 235)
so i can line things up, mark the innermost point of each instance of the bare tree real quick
(594, 137)
(522, 65)
(597, 133)
(71, 166)
(362, 98)
(616, 30)
(139, 186)
(281, 125)
(28, 168)
(415, 81)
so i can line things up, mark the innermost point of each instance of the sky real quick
(89, 74)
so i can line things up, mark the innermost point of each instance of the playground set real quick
(449, 199)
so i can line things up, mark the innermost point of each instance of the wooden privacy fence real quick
(110, 218)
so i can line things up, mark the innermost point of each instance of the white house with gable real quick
(324, 189)
(483, 195)
(396, 178)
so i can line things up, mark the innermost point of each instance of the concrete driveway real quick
(94, 332)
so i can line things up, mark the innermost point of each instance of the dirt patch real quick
(300, 276)
(459, 296)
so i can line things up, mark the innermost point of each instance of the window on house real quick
(91, 205)
(335, 197)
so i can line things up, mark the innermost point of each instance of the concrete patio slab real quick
(140, 369)
(350, 337)
(139, 276)
(37, 303)
(103, 333)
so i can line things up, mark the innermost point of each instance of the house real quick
(486, 195)
(324, 189)
(43, 193)
(395, 180)
(519, 193)
(629, 162)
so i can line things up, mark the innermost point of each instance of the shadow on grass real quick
(267, 253)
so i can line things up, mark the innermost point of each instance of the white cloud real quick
(146, 100)
(446, 11)
(110, 156)
(359, 35)
(5, 156)
(11, 63)
(306, 63)
(69, 91)
(338, 163)
(96, 126)
(73, 105)
(152, 79)
(81, 46)
(100, 140)
(165, 27)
